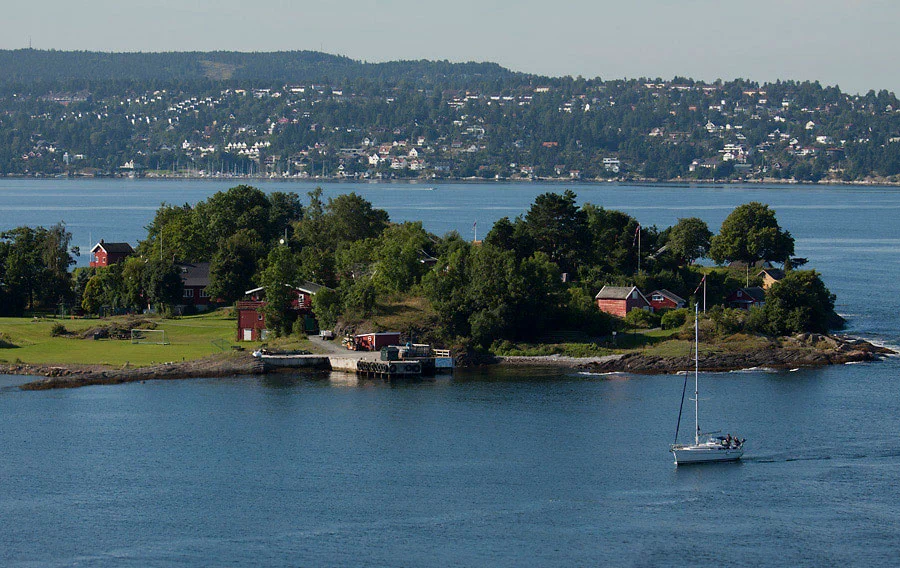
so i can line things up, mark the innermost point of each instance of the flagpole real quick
(704, 294)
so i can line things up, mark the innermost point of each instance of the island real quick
(562, 284)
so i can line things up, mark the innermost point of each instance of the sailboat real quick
(712, 448)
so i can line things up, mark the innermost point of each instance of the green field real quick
(190, 337)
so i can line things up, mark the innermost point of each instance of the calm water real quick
(524, 468)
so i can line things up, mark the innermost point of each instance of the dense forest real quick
(314, 115)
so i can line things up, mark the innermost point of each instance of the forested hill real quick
(313, 115)
(28, 66)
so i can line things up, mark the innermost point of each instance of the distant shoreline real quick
(469, 180)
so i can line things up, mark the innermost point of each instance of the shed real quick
(619, 300)
(375, 341)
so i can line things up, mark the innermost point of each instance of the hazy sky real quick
(851, 43)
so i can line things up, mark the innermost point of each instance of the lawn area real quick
(190, 337)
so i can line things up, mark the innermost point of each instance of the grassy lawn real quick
(190, 337)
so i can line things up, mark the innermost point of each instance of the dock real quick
(364, 364)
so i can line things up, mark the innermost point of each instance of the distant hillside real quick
(27, 66)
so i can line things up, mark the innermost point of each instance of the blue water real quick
(502, 468)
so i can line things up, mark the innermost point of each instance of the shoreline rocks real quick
(804, 350)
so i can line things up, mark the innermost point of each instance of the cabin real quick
(664, 300)
(194, 280)
(619, 300)
(105, 254)
(746, 298)
(251, 321)
(770, 276)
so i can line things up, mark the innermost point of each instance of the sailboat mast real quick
(696, 375)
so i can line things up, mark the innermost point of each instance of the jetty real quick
(366, 364)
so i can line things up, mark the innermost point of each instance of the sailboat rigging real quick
(713, 448)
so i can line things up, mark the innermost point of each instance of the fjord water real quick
(512, 467)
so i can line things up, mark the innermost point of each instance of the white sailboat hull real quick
(705, 453)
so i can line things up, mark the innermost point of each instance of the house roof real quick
(670, 295)
(617, 293)
(194, 273)
(120, 248)
(773, 273)
(755, 293)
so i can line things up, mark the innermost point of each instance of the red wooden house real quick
(619, 300)
(194, 280)
(105, 254)
(746, 298)
(251, 319)
(665, 300)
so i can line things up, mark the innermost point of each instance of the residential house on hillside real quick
(105, 254)
(619, 300)
(746, 298)
(664, 300)
(770, 276)
(194, 279)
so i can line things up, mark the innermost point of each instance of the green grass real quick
(190, 337)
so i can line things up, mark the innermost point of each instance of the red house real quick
(104, 254)
(665, 300)
(252, 322)
(746, 298)
(195, 279)
(619, 300)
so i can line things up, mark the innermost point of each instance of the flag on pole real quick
(702, 280)
(637, 231)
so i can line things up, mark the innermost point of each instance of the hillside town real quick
(569, 129)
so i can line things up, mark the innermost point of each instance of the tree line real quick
(530, 275)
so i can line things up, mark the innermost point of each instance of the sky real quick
(850, 43)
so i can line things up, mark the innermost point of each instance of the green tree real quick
(558, 228)
(279, 278)
(398, 257)
(751, 234)
(93, 295)
(234, 264)
(689, 239)
(162, 283)
(799, 302)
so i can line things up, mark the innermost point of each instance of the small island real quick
(563, 284)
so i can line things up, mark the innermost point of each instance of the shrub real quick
(642, 319)
(673, 319)
(58, 329)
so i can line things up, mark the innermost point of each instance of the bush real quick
(6, 342)
(673, 319)
(642, 319)
(58, 329)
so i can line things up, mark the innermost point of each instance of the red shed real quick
(104, 254)
(375, 341)
(665, 300)
(619, 300)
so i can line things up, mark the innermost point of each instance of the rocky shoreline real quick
(805, 350)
